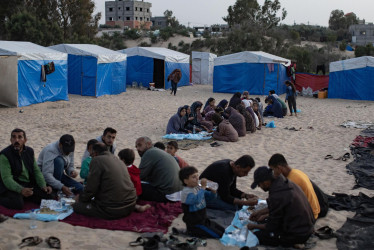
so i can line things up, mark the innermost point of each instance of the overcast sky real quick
(208, 12)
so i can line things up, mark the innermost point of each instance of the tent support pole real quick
(263, 87)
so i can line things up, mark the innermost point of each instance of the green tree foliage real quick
(254, 16)
(171, 20)
(114, 41)
(340, 21)
(367, 50)
(49, 21)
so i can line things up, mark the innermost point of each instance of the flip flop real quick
(30, 241)
(53, 242)
(328, 157)
(215, 144)
(140, 241)
(346, 156)
(325, 233)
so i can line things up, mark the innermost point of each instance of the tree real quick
(250, 14)
(340, 21)
(171, 20)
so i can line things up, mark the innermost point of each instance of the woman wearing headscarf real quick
(237, 120)
(235, 100)
(209, 105)
(176, 122)
(225, 131)
(250, 124)
(223, 104)
(174, 77)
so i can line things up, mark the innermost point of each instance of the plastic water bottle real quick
(32, 215)
(243, 234)
(194, 129)
(211, 185)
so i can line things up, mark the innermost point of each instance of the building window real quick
(136, 18)
(127, 18)
(147, 10)
(110, 18)
(119, 8)
(362, 33)
(110, 9)
(136, 8)
(141, 18)
(159, 23)
(147, 19)
(127, 8)
(119, 17)
(141, 9)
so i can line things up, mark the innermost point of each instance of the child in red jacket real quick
(127, 155)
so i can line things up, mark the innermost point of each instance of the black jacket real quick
(289, 210)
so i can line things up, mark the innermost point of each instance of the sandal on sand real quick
(325, 233)
(53, 242)
(30, 241)
(346, 156)
(140, 241)
(215, 144)
(328, 157)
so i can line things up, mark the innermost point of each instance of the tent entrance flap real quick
(159, 73)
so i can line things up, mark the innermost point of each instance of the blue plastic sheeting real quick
(349, 48)
(32, 90)
(185, 69)
(253, 77)
(355, 84)
(88, 78)
(139, 69)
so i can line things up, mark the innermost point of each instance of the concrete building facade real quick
(362, 34)
(159, 22)
(128, 13)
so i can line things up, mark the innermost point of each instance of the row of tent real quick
(91, 70)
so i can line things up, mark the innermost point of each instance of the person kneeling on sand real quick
(21, 177)
(194, 205)
(109, 193)
(85, 167)
(127, 155)
(225, 131)
(225, 173)
(158, 172)
(290, 220)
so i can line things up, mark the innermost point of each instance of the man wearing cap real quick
(57, 158)
(108, 138)
(225, 173)
(290, 218)
(20, 175)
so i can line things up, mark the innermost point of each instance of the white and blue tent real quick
(94, 70)
(253, 71)
(21, 74)
(352, 79)
(152, 64)
(202, 67)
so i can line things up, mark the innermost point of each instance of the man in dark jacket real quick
(290, 218)
(21, 177)
(109, 193)
(225, 173)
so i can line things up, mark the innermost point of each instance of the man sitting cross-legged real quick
(21, 177)
(109, 193)
(158, 172)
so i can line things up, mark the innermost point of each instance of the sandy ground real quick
(145, 113)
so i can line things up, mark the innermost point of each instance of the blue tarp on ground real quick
(352, 79)
(256, 72)
(140, 64)
(94, 70)
(21, 69)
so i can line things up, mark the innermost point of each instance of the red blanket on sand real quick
(156, 219)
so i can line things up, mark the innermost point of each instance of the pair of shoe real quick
(215, 144)
(325, 233)
(345, 157)
(53, 242)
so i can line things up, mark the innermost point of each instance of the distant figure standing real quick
(174, 77)
(291, 96)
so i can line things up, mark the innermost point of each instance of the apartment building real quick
(128, 13)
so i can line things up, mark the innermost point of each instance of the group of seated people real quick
(112, 185)
(232, 119)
